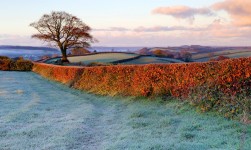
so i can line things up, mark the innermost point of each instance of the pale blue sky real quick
(16, 15)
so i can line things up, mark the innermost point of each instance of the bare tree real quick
(63, 30)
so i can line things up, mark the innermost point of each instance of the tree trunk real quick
(64, 56)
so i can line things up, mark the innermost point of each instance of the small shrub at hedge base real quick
(206, 99)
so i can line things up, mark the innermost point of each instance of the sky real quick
(133, 23)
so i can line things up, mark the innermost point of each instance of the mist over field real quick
(26, 53)
(36, 54)
(115, 49)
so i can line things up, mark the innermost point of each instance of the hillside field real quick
(237, 53)
(118, 58)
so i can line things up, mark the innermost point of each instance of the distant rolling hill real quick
(117, 58)
(4, 47)
(231, 53)
(202, 53)
(28, 52)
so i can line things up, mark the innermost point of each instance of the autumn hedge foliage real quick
(7, 64)
(230, 78)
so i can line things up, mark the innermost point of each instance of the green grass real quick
(238, 55)
(39, 114)
(174, 125)
(102, 57)
(112, 57)
(152, 60)
(229, 53)
(202, 55)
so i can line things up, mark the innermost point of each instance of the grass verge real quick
(52, 116)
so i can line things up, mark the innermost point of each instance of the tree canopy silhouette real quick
(64, 31)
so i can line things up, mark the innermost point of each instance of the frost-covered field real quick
(39, 114)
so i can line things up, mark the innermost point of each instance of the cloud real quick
(139, 39)
(182, 12)
(9, 39)
(219, 30)
(149, 29)
(164, 28)
(113, 29)
(239, 11)
(217, 33)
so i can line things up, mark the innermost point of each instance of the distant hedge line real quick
(7, 64)
(211, 85)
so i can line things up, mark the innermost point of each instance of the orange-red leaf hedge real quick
(229, 76)
(224, 86)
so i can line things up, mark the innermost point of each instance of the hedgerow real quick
(211, 85)
(4, 57)
(7, 64)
